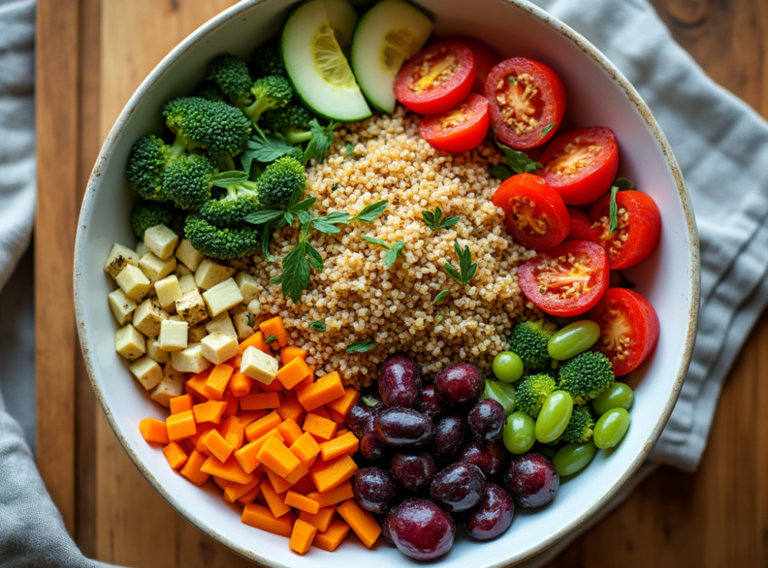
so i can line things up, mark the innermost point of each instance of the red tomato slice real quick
(568, 280)
(535, 213)
(460, 129)
(581, 226)
(582, 164)
(527, 102)
(437, 78)
(639, 228)
(629, 329)
(485, 58)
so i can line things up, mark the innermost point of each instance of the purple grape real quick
(458, 487)
(403, 427)
(400, 381)
(489, 458)
(413, 471)
(450, 433)
(430, 403)
(486, 421)
(371, 448)
(358, 415)
(532, 480)
(493, 516)
(421, 530)
(460, 385)
(374, 489)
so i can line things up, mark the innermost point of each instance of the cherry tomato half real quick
(568, 280)
(437, 78)
(534, 212)
(639, 228)
(485, 58)
(581, 226)
(582, 164)
(460, 129)
(527, 102)
(629, 329)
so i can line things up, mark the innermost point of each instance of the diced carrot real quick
(279, 484)
(257, 429)
(181, 425)
(175, 455)
(274, 386)
(321, 428)
(181, 403)
(220, 481)
(197, 384)
(210, 411)
(301, 502)
(320, 520)
(301, 537)
(250, 497)
(291, 407)
(154, 431)
(308, 380)
(275, 327)
(305, 448)
(340, 433)
(275, 501)
(290, 431)
(247, 455)
(240, 384)
(233, 431)
(337, 418)
(293, 373)
(218, 380)
(257, 341)
(325, 389)
(365, 526)
(197, 438)
(343, 404)
(248, 416)
(333, 496)
(260, 401)
(303, 485)
(192, 469)
(233, 405)
(333, 537)
(217, 445)
(229, 470)
(327, 475)
(235, 491)
(261, 517)
(290, 352)
(346, 444)
(297, 474)
(277, 457)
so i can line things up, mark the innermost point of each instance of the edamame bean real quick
(507, 367)
(519, 433)
(573, 458)
(502, 393)
(573, 339)
(554, 416)
(611, 427)
(619, 395)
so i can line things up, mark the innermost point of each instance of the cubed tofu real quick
(147, 371)
(258, 365)
(254, 306)
(191, 307)
(244, 322)
(161, 241)
(174, 317)
(141, 249)
(190, 360)
(166, 390)
(188, 255)
(250, 287)
(119, 257)
(219, 347)
(173, 335)
(187, 283)
(168, 291)
(182, 270)
(154, 351)
(173, 374)
(222, 323)
(210, 273)
(155, 267)
(196, 333)
(223, 296)
(133, 282)
(148, 317)
(130, 343)
(121, 305)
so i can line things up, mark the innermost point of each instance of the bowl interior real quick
(596, 96)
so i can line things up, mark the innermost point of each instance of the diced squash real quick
(181, 425)
(293, 373)
(290, 431)
(326, 389)
(229, 470)
(304, 485)
(333, 496)
(322, 412)
(290, 352)
(181, 403)
(291, 408)
(321, 428)
(233, 431)
(343, 404)
(301, 537)
(277, 457)
(247, 455)
(257, 429)
(196, 439)
(154, 431)
(327, 475)
(305, 448)
(297, 474)
(233, 405)
(220, 481)
(301, 502)
(217, 445)
(275, 501)
(279, 484)
(275, 327)
(361, 522)
(306, 382)
(250, 497)
(333, 537)
(210, 411)
(197, 384)
(175, 455)
(192, 470)
(337, 418)
(257, 341)
(235, 491)
(320, 520)
(261, 517)
(247, 417)
(260, 401)
(218, 380)
(346, 444)
(240, 384)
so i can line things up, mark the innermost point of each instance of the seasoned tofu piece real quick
(156, 268)
(168, 291)
(223, 296)
(119, 257)
(141, 249)
(244, 322)
(173, 335)
(191, 307)
(148, 317)
(197, 333)
(121, 305)
(249, 286)
(133, 282)
(154, 352)
(188, 255)
(254, 306)
(210, 273)
(258, 365)
(129, 343)
(166, 390)
(187, 283)
(219, 347)
(147, 371)
(190, 360)
(161, 241)
(182, 270)
(171, 373)
(222, 323)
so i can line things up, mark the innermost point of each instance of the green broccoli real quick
(529, 340)
(269, 93)
(532, 391)
(148, 214)
(292, 121)
(187, 181)
(580, 428)
(232, 205)
(224, 244)
(268, 61)
(586, 376)
(281, 180)
(231, 75)
(149, 157)
(210, 91)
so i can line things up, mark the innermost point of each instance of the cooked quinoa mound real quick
(359, 299)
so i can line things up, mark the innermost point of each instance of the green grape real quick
(573, 339)
(611, 428)
(573, 458)
(619, 395)
(507, 367)
(502, 393)
(554, 416)
(548, 451)
(519, 433)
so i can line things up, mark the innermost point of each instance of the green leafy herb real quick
(548, 128)
(623, 184)
(296, 268)
(371, 212)
(613, 210)
(360, 346)
(268, 147)
(334, 186)
(440, 298)
(350, 149)
(276, 280)
(246, 160)
(395, 250)
(225, 179)
(262, 217)
(434, 219)
(439, 318)
(368, 400)
(270, 339)
(249, 319)
(327, 224)
(375, 241)
(467, 268)
(322, 138)
(318, 326)
(518, 161)
(501, 171)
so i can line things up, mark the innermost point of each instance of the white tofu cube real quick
(173, 335)
(209, 273)
(154, 352)
(196, 333)
(258, 365)
(119, 257)
(190, 360)
(168, 291)
(244, 322)
(130, 343)
(219, 347)
(254, 306)
(148, 317)
(182, 270)
(161, 241)
(222, 323)
(223, 296)
(250, 287)
(147, 371)
(173, 374)
(121, 305)
(191, 307)
(156, 268)
(133, 282)
(175, 318)
(166, 390)
(188, 255)
(187, 283)
(141, 249)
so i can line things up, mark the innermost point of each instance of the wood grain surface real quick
(92, 54)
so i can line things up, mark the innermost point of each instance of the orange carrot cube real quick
(247, 455)
(260, 401)
(290, 431)
(210, 411)
(333, 537)
(326, 389)
(365, 526)
(290, 352)
(301, 537)
(346, 444)
(277, 457)
(218, 380)
(321, 428)
(240, 384)
(274, 327)
(192, 470)
(293, 373)
(343, 404)
(175, 455)
(229, 470)
(305, 448)
(275, 501)
(327, 475)
(291, 407)
(154, 431)
(235, 491)
(217, 445)
(257, 429)
(320, 520)
(257, 341)
(261, 517)
(181, 403)
(301, 502)
(181, 425)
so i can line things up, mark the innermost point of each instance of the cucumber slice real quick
(391, 32)
(315, 62)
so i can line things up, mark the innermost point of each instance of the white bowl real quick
(597, 95)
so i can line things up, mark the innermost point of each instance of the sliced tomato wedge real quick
(581, 164)
(534, 212)
(581, 226)
(485, 58)
(638, 232)
(527, 102)
(460, 129)
(629, 329)
(437, 78)
(568, 280)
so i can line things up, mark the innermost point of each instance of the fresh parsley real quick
(318, 326)
(501, 171)
(518, 161)
(467, 268)
(360, 346)
(439, 318)
(620, 184)
(268, 147)
(226, 179)
(334, 186)
(320, 143)
(623, 184)
(270, 339)
(440, 298)
(249, 319)
(394, 250)
(350, 151)
(371, 212)
(434, 219)
(375, 241)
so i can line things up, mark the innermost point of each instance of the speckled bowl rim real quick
(556, 25)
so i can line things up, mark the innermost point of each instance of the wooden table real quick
(92, 54)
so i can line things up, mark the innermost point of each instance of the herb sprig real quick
(440, 298)
(361, 346)
(620, 184)
(434, 219)
(517, 162)
(318, 326)
(394, 250)
(467, 268)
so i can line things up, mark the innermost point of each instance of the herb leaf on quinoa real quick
(467, 268)
(360, 346)
(375, 241)
(395, 250)
(434, 219)
(371, 212)
(518, 161)
(270, 339)
(440, 298)
(318, 326)
(320, 143)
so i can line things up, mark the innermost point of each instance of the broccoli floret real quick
(211, 92)
(269, 93)
(225, 244)
(232, 76)
(586, 376)
(149, 157)
(292, 121)
(280, 181)
(268, 61)
(532, 391)
(529, 340)
(187, 181)
(148, 214)
(580, 428)
(235, 203)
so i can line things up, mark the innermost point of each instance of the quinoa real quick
(359, 299)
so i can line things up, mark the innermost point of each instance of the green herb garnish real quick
(368, 400)
(434, 219)
(360, 346)
(226, 179)
(249, 319)
(620, 184)
(394, 251)
(518, 161)
(371, 212)
(318, 326)
(548, 128)
(467, 268)
(375, 241)
(440, 298)
(270, 339)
